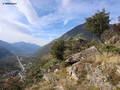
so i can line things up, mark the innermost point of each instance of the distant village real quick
(14, 73)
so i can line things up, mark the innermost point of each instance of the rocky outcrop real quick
(96, 75)
(92, 51)
(99, 80)
(72, 71)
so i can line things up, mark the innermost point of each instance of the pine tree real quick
(98, 23)
(57, 49)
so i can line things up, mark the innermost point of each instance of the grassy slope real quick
(64, 80)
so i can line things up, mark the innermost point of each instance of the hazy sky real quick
(41, 21)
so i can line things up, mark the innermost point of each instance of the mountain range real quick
(18, 48)
(26, 47)
(9, 46)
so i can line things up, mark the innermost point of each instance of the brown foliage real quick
(116, 28)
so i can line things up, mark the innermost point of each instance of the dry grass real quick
(112, 58)
(42, 85)
(64, 80)
(102, 59)
(46, 57)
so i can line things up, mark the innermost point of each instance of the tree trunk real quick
(100, 43)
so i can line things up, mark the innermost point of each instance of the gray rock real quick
(74, 58)
(92, 51)
(74, 74)
(88, 67)
(118, 70)
(69, 70)
(99, 80)
(72, 71)
(56, 71)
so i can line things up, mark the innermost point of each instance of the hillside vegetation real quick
(4, 53)
(77, 63)
(50, 73)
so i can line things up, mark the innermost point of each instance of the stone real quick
(58, 87)
(74, 58)
(92, 51)
(99, 80)
(69, 70)
(56, 71)
(74, 74)
(73, 71)
(118, 70)
(48, 78)
(88, 66)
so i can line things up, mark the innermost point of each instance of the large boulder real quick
(74, 58)
(92, 51)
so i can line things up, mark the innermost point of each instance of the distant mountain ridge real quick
(80, 29)
(26, 47)
(9, 46)
(19, 48)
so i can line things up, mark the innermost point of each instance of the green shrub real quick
(71, 87)
(15, 87)
(91, 43)
(98, 23)
(57, 49)
(110, 48)
(62, 65)
(117, 88)
(67, 52)
(113, 78)
(47, 64)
